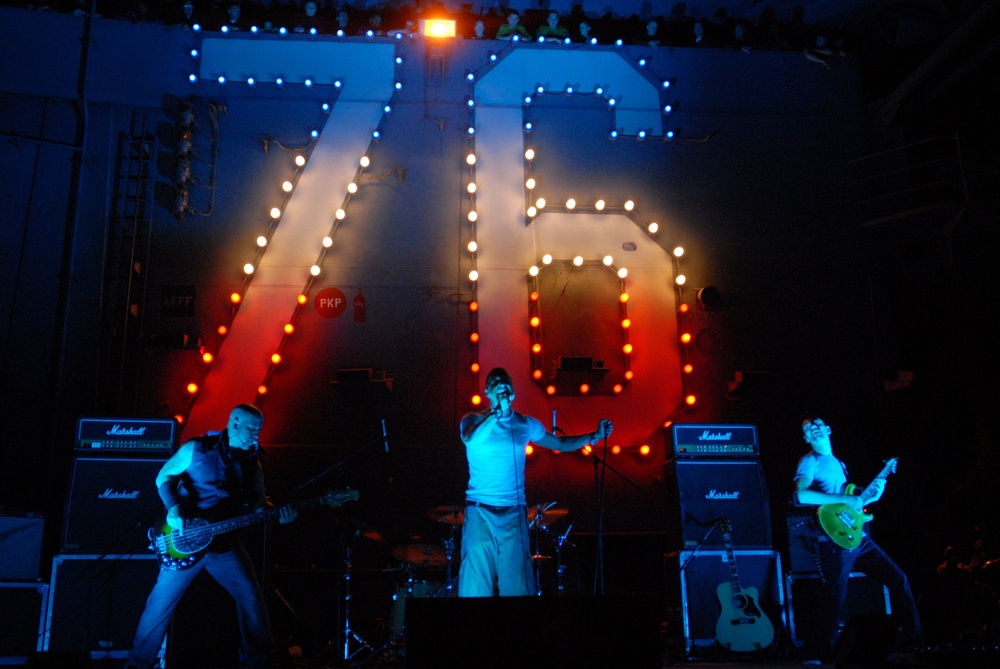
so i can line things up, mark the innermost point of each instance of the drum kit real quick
(430, 567)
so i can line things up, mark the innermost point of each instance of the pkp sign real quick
(330, 303)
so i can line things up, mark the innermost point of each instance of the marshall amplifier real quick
(692, 581)
(110, 505)
(129, 436)
(703, 492)
(715, 441)
(95, 602)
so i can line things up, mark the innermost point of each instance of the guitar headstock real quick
(890, 465)
(336, 498)
(725, 525)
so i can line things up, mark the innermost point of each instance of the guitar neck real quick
(734, 575)
(869, 492)
(231, 524)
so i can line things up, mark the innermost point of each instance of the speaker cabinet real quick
(21, 546)
(865, 597)
(111, 504)
(95, 602)
(693, 578)
(706, 491)
(543, 632)
(22, 608)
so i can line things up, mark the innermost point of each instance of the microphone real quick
(385, 437)
(554, 428)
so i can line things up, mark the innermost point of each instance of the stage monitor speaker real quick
(577, 632)
(112, 502)
(21, 546)
(704, 492)
(95, 602)
(865, 597)
(693, 578)
(22, 610)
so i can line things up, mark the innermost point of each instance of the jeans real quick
(870, 559)
(234, 572)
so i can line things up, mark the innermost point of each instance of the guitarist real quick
(820, 479)
(216, 473)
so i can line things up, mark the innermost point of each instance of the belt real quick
(491, 508)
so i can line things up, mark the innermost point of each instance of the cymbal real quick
(541, 557)
(544, 514)
(372, 535)
(421, 555)
(453, 515)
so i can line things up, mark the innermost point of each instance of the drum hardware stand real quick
(536, 553)
(449, 551)
(560, 566)
(348, 632)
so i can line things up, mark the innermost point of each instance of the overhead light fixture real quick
(437, 27)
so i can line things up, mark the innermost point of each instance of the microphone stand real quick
(600, 466)
(382, 439)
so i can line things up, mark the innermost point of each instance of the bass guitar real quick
(842, 523)
(180, 549)
(742, 626)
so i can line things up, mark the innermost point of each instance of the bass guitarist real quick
(216, 474)
(821, 479)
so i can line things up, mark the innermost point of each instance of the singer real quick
(496, 556)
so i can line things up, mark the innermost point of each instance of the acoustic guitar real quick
(179, 549)
(742, 626)
(843, 524)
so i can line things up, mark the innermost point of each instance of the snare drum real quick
(422, 589)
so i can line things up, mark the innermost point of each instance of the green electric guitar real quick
(842, 523)
(742, 626)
